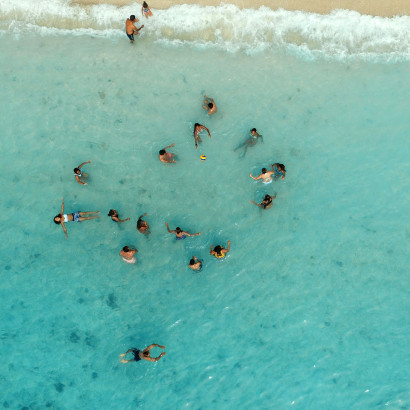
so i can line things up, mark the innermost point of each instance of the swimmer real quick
(142, 225)
(197, 129)
(195, 264)
(250, 142)
(131, 29)
(127, 254)
(266, 176)
(144, 354)
(267, 202)
(220, 252)
(114, 216)
(279, 170)
(179, 233)
(209, 105)
(145, 10)
(165, 156)
(61, 218)
(80, 174)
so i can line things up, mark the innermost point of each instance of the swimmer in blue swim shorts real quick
(179, 233)
(142, 354)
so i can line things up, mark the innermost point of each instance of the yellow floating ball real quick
(203, 157)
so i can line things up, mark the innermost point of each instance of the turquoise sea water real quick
(310, 308)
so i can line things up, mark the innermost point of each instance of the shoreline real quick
(381, 8)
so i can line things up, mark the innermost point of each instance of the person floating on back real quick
(219, 252)
(144, 354)
(127, 254)
(145, 10)
(130, 27)
(80, 175)
(279, 170)
(265, 176)
(209, 105)
(62, 218)
(267, 201)
(114, 216)
(179, 233)
(142, 225)
(250, 142)
(165, 156)
(195, 264)
(197, 129)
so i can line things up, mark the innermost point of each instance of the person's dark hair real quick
(218, 249)
(210, 105)
(282, 166)
(132, 17)
(192, 262)
(178, 229)
(197, 125)
(77, 170)
(253, 130)
(146, 353)
(264, 170)
(126, 249)
(267, 197)
(112, 212)
(59, 221)
(144, 4)
(162, 152)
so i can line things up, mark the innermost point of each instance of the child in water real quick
(146, 10)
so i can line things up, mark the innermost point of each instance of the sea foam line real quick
(341, 34)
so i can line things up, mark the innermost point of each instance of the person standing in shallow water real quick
(197, 130)
(165, 156)
(209, 105)
(130, 27)
(195, 264)
(79, 175)
(144, 354)
(250, 142)
(219, 252)
(142, 225)
(127, 254)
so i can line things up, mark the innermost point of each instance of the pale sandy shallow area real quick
(382, 8)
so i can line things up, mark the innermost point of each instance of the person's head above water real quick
(281, 166)
(192, 262)
(210, 105)
(144, 4)
(197, 125)
(253, 130)
(178, 229)
(57, 219)
(162, 152)
(267, 197)
(126, 249)
(77, 171)
(112, 212)
(132, 17)
(264, 170)
(218, 249)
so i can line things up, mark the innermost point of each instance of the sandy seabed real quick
(382, 8)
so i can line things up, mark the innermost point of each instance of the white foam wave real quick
(341, 34)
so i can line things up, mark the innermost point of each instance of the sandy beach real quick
(382, 8)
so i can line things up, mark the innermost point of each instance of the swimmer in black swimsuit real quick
(144, 354)
(114, 216)
(267, 202)
(250, 142)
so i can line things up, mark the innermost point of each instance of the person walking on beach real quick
(209, 105)
(144, 354)
(142, 225)
(62, 218)
(79, 175)
(145, 10)
(165, 156)
(219, 252)
(179, 233)
(195, 264)
(130, 27)
(265, 176)
(250, 142)
(198, 128)
(267, 201)
(114, 216)
(127, 254)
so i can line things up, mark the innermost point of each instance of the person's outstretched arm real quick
(191, 234)
(87, 162)
(255, 203)
(207, 131)
(64, 229)
(211, 250)
(77, 178)
(166, 223)
(229, 246)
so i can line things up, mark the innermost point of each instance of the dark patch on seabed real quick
(112, 301)
(59, 387)
(74, 338)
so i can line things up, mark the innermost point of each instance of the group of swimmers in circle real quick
(128, 252)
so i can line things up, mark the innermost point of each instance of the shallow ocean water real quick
(309, 309)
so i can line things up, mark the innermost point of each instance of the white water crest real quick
(341, 34)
